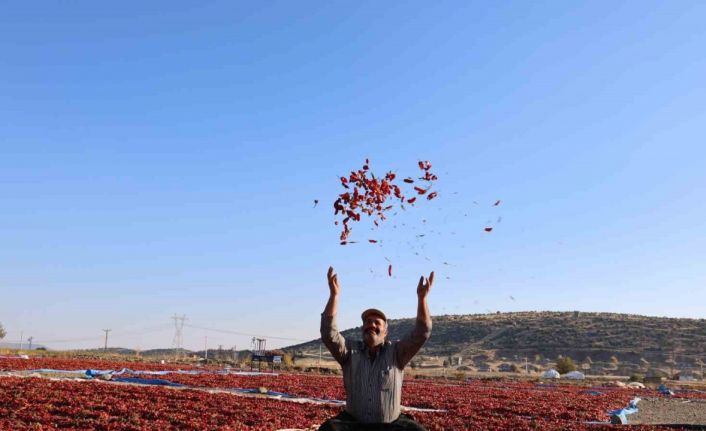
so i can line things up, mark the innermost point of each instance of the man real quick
(373, 369)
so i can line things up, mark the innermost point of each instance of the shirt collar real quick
(383, 346)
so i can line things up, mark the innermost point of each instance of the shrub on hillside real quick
(565, 364)
(637, 378)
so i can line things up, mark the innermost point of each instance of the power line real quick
(225, 331)
(156, 328)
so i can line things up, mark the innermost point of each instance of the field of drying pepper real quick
(40, 403)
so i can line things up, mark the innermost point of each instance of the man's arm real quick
(410, 345)
(330, 336)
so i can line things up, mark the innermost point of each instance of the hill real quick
(601, 342)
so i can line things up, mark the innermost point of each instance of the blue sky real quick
(164, 158)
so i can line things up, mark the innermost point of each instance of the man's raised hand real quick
(333, 281)
(424, 285)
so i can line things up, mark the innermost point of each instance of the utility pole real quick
(30, 342)
(526, 366)
(205, 347)
(21, 337)
(319, 366)
(105, 346)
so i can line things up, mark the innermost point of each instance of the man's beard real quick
(372, 336)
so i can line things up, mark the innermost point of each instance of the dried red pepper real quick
(370, 195)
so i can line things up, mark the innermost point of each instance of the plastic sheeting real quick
(158, 382)
(664, 390)
(269, 393)
(95, 373)
(53, 371)
(551, 374)
(620, 416)
(574, 375)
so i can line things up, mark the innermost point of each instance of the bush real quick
(2, 332)
(565, 364)
(288, 361)
(637, 378)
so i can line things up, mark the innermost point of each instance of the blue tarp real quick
(95, 373)
(619, 416)
(664, 390)
(158, 382)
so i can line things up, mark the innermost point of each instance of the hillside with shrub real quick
(600, 343)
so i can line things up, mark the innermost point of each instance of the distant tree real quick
(636, 377)
(2, 332)
(288, 360)
(565, 364)
(446, 363)
(672, 363)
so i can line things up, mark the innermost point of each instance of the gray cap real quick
(374, 311)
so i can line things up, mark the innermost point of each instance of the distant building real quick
(506, 368)
(687, 376)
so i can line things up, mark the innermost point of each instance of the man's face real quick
(374, 330)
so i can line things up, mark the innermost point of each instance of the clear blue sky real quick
(163, 158)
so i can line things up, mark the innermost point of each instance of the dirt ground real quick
(669, 411)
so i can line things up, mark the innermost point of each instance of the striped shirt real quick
(373, 386)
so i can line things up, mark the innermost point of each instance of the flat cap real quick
(373, 311)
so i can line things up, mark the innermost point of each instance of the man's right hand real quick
(333, 282)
